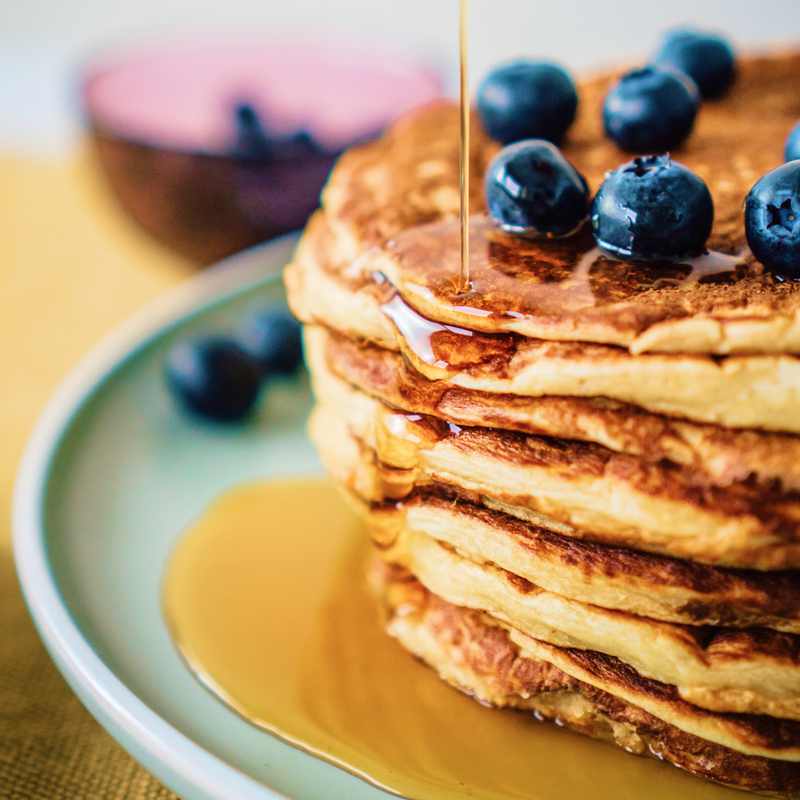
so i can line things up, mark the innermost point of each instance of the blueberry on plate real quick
(527, 100)
(213, 377)
(791, 151)
(272, 336)
(772, 220)
(706, 58)
(650, 109)
(652, 208)
(533, 191)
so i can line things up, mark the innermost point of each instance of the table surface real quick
(72, 266)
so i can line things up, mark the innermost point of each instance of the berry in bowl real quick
(213, 148)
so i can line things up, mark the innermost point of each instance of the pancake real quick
(712, 341)
(596, 493)
(474, 653)
(551, 555)
(385, 192)
(757, 665)
(739, 391)
(718, 456)
(661, 588)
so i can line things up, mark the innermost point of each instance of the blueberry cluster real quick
(220, 377)
(654, 108)
(651, 207)
(650, 109)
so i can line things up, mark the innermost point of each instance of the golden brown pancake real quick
(384, 192)
(718, 456)
(738, 391)
(477, 655)
(595, 493)
(552, 555)
(756, 665)
(662, 588)
(379, 263)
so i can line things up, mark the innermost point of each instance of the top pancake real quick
(396, 203)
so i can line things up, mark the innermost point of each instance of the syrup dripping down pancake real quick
(717, 456)
(739, 391)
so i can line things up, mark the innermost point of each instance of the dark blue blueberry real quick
(527, 100)
(213, 377)
(791, 151)
(532, 190)
(272, 336)
(706, 58)
(772, 220)
(651, 208)
(251, 139)
(650, 109)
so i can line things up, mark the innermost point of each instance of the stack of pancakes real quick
(582, 476)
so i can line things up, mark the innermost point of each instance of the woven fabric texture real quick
(71, 268)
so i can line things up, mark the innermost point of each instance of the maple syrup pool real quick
(266, 599)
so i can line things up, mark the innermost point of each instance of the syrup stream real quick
(464, 132)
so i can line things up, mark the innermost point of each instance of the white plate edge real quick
(81, 666)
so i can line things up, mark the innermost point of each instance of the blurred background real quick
(73, 264)
(45, 44)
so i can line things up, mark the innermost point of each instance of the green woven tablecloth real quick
(71, 268)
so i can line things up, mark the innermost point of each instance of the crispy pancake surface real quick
(666, 589)
(737, 391)
(718, 456)
(380, 262)
(609, 497)
(554, 555)
(720, 667)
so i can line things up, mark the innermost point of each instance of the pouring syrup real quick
(463, 53)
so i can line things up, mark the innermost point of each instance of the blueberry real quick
(272, 336)
(251, 139)
(791, 151)
(772, 220)
(532, 190)
(653, 207)
(706, 58)
(527, 100)
(213, 377)
(650, 109)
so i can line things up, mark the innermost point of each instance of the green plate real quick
(113, 473)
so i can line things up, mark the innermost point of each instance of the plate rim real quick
(172, 756)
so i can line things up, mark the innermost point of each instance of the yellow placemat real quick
(72, 266)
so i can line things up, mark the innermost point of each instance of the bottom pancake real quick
(478, 656)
